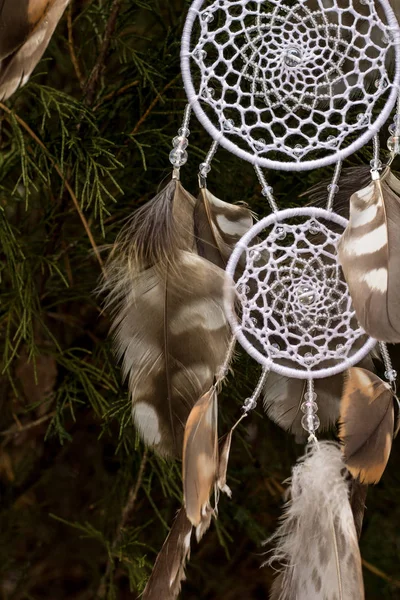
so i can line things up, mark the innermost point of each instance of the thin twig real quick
(380, 573)
(152, 105)
(71, 48)
(66, 183)
(118, 92)
(16, 429)
(91, 85)
(125, 516)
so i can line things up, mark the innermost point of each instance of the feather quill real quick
(169, 569)
(26, 29)
(369, 253)
(316, 543)
(366, 424)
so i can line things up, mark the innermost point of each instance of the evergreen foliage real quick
(84, 507)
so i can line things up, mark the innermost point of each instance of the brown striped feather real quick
(366, 424)
(219, 226)
(369, 253)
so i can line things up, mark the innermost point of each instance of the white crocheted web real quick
(291, 84)
(291, 309)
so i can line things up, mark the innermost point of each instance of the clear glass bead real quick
(178, 157)
(331, 140)
(204, 168)
(309, 407)
(298, 149)
(292, 56)
(229, 125)
(308, 357)
(266, 191)
(181, 141)
(393, 144)
(306, 295)
(333, 187)
(259, 144)
(255, 255)
(280, 233)
(310, 423)
(314, 228)
(310, 396)
(375, 164)
(391, 375)
(207, 17)
(184, 132)
(392, 128)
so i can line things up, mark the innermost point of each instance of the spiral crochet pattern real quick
(295, 313)
(291, 84)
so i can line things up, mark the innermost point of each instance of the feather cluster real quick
(369, 253)
(316, 543)
(165, 282)
(26, 28)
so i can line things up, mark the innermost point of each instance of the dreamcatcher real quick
(312, 297)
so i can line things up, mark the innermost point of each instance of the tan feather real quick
(169, 323)
(172, 335)
(219, 226)
(26, 29)
(200, 456)
(169, 569)
(366, 424)
(316, 543)
(369, 253)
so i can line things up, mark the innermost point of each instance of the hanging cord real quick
(333, 187)
(205, 167)
(178, 155)
(393, 142)
(390, 373)
(266, 189)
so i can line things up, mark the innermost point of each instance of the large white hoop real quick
(289, 84)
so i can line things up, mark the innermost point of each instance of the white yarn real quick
(295, 311)
(289, 84)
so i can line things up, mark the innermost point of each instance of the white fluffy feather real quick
(316, 543)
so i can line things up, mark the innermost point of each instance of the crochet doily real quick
(291, 84)
(289, 305)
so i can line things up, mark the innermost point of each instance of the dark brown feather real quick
(358, 495)
(366, 424)
(351, 180)
(169, 569)
(158, 230)
(26, 29)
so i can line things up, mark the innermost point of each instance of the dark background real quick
(72, 469)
